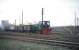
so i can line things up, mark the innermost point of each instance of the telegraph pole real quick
(77, 21)
(42, 21)
(22, 17)
(76, 24)
(15, 24)
(42, 16)
(22, 22)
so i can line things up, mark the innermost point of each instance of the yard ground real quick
(6, 44)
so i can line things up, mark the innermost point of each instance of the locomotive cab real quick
(45, 27)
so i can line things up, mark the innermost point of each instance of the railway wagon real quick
(42, 27)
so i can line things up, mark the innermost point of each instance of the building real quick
(5, 24)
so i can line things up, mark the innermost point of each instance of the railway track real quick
(24, 38)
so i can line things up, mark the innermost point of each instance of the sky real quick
(58, 12)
